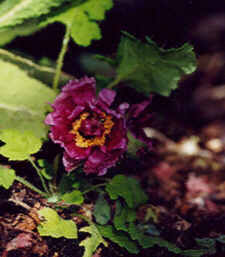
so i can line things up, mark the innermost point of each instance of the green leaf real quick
(148, 241)
(82, 19)
(91, 243)
(55, 226)
(133, 144)
(19, 145)
(47, 169)
(150, 68)
(9, 33)
(23, 100)
(128, 188)
(68, 182)
(102, 210)
(74, 197)
(119, 237)
(38, 72)
(7, 177)
(14, 12)
(123, 216)
(195, 253)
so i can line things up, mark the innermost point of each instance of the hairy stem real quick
(29, 185)
(39, 174)
(61, 57)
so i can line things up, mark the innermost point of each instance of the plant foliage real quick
(7, 177)
(55, 226)
(23, 100)
(128, 188)
(150, 68)
(91, 243)
(19, 145)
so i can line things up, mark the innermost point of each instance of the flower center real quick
(85, 142)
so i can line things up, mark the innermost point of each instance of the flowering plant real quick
(94, 131)
(87, 128)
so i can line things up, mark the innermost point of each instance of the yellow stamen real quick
(83, 142)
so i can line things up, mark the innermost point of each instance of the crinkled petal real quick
(107, 96)
(82, 92)
(69, 163)
(117, 138)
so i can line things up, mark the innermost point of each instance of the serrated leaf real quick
(102, 210)
(119, 237)
(7, 177)
(55, 226)
(74, 197)
(23, 100)
(8, 34)
(82, 20)
(14, 12)
(128, 188)
(150, 68)
(33, 70)
(91, 243)
(123, 216)
(19, 145)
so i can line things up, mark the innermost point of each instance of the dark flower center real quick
(91, 130)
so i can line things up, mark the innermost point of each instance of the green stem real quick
(114, 83)
(93, 188)
(29, 185)
(39, 174)
(61, 57)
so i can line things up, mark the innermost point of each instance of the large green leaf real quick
(91, 243)
(42, 73)
(150, 68)
(14, 12)
(23, 100)
(128, 188)
(55, 226)
(7, 177)
(19, 145)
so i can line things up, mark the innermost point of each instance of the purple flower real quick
(139, 119)
(87, 128)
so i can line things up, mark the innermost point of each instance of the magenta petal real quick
(95, 162)
(69, 163)
(81, 91)
(107, 96)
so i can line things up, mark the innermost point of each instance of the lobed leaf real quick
(91, 243)
(23, 100)
(55, 226)
(119, 237)
(7, 177)
(128, 188)
(74, 197)
(19, 145)
(150, 68)
(82, 19)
